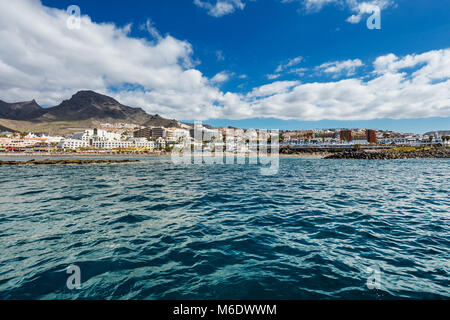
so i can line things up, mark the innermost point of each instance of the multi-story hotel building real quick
(345, 135)
(371, 136)
(143, 133)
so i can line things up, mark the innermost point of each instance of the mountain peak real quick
(94, 97)
(20, 110)
(90, 105)
(88, 93)
(85, 105)
(85, 92)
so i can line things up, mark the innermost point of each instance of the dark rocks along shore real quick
(440, 153)
(65, 162)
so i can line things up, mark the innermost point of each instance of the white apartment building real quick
(134, 143)
(104, 144)
(205, 134)
(143, 143)
(97, 135)
(18, 143)
(112, 144)
(174, 135)
(72, 144)
(44, 138)
(161, 143)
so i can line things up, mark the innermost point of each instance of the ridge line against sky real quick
(184, 76)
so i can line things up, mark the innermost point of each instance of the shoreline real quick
(73, 155)
(438, 153)
(34, 162)
(318, 155)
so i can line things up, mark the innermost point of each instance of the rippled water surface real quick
(153, 230)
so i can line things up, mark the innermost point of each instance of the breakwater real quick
(440, 153)
(66, 161)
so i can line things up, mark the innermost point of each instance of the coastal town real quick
(131, 138)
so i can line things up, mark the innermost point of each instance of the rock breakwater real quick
(67, 162)
(440, 153)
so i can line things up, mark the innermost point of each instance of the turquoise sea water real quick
(154, 230)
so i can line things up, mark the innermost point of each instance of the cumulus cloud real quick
(426, 67)
(46, 61)
(221, 7)
(413, 86)
(347, 67)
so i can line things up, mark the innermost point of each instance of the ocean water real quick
(320, 229)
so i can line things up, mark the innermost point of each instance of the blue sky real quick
(254, 41)
(298, 50)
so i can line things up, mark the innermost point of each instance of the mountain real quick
(89, 105)
(84, 109)
(20, 110)
(5, 129)
(158, 121)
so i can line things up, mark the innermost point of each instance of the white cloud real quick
(221, 77)
(392, 93)
(366, 7)
(220, 56)
(414, 86)
(359, 7)
(316, 5)
(273, 76)
(288, 67)
(347, 67)
(149, 26)
(45, 60)
(277, 87)
(292, 62)
(299, 71)
(428, 67)
(221, 7)
(354, 18)
(224, 76)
